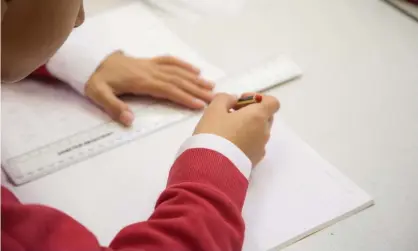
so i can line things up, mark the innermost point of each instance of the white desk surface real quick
(357, 103)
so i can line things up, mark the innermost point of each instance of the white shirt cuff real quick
(222, 146)
(74, 63)
(82, 53)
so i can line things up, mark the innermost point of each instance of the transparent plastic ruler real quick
(96, 140)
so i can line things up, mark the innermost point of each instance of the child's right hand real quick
(248, 128)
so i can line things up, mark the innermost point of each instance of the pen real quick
(244, 101)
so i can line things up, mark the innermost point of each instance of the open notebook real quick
(293, 192)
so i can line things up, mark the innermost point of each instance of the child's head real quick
(32, 31)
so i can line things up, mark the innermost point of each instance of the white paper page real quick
(294, 193)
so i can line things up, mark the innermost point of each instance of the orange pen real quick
(242, 102)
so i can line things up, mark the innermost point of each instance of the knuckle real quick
(276, 102)
(273, 102)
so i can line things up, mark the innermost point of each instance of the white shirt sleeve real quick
(75, 62)
(222, 146)
(83, 51)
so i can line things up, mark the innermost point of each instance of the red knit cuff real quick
(42, 72)
(211, 168)
(8, 197)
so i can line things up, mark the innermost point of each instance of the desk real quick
(357, 105)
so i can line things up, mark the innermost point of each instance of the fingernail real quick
(212, 84)
(199, 102)
(126, 117)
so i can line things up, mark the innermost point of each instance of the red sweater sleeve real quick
(200, 210)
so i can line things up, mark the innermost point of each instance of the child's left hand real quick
(161, 77)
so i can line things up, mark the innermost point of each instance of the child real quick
(200, 209)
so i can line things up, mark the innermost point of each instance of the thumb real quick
(223, 101)
(104, 97)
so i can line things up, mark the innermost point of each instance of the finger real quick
(190, 76)
(177, 95)
(169, 60)
(270, 105)
(223, 102)
(104, 97)
(187, 86)
(264, 110)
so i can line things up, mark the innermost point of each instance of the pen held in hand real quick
(248, 100)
